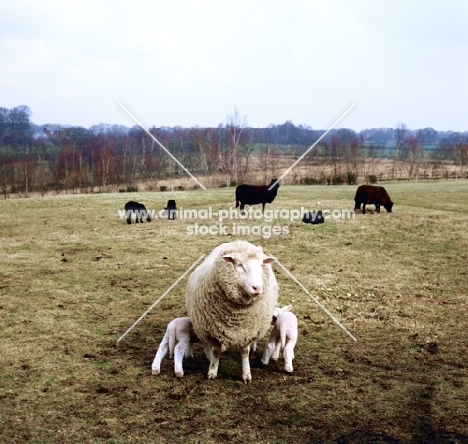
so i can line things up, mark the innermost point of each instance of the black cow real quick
(372, 194)
(313, 217)
(171, 209)
(255, 194)
(139, 209)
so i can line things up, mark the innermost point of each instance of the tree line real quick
(109, 157)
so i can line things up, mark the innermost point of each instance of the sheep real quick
(179, 330)
(282, 337)
(230, 299)
(256, 194)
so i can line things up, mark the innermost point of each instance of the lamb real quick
(180, 330)
(282, 337)
(230, 299)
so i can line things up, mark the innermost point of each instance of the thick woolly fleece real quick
(218, 307)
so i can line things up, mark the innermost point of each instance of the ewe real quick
(230, 299)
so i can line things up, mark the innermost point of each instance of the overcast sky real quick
(192, 62)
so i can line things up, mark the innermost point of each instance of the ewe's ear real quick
(268, 259)
(228, 258)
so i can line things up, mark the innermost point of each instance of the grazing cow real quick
(313, 217)
(139, 209)
(255, 194)
(171, 209)
(372, 194)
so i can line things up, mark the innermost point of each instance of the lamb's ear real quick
(228, 258)
(268, 259)
(287, 308)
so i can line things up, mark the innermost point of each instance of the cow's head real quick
(388, 206)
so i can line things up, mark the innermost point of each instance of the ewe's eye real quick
(240, 268)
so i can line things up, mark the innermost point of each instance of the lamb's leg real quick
(268, 352)
(215, 353)
(189, 351)
(289, 356)
(179, 352)
(162, 351)
(277, 351)
(246, 376)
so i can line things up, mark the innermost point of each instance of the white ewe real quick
(230, 299)
(282, 337)
(178, 342)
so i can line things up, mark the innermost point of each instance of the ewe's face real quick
(249, 272)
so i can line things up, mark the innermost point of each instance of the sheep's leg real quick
(268, 352)
(215, 353)
(246, 376)
(253, 347)
(189, 351)
(162, 351)
(207, 350)
(276, 353)
(289, 356)
(179, 352)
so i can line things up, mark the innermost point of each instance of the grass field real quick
(74, 278)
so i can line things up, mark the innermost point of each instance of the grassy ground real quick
(74, 277)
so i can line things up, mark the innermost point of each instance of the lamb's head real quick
(248, 270)
(277, 311)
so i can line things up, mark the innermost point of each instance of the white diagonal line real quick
(159, 300)
(161, 145)
(336, 321)
(318, 140)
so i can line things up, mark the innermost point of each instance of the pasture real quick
(74, 278)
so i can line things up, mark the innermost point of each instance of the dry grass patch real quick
(74, 277)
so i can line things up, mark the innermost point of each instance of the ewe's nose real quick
(255, 289)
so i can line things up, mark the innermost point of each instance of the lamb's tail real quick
(172, 340)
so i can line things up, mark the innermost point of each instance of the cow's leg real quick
(364, 208)
(263, 207)
(377, 207)
(242, 208)
(246, 376)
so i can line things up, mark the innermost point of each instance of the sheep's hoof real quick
(288, 370)
(179, 374)
(212, 376)
(155, 371)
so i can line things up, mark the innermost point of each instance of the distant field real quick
(74, 277)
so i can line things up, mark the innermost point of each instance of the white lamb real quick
(230, 299)
(282, 337)
(178, 342)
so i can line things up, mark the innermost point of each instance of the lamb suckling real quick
(177, 341)
(230, 299)
(282, 337)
